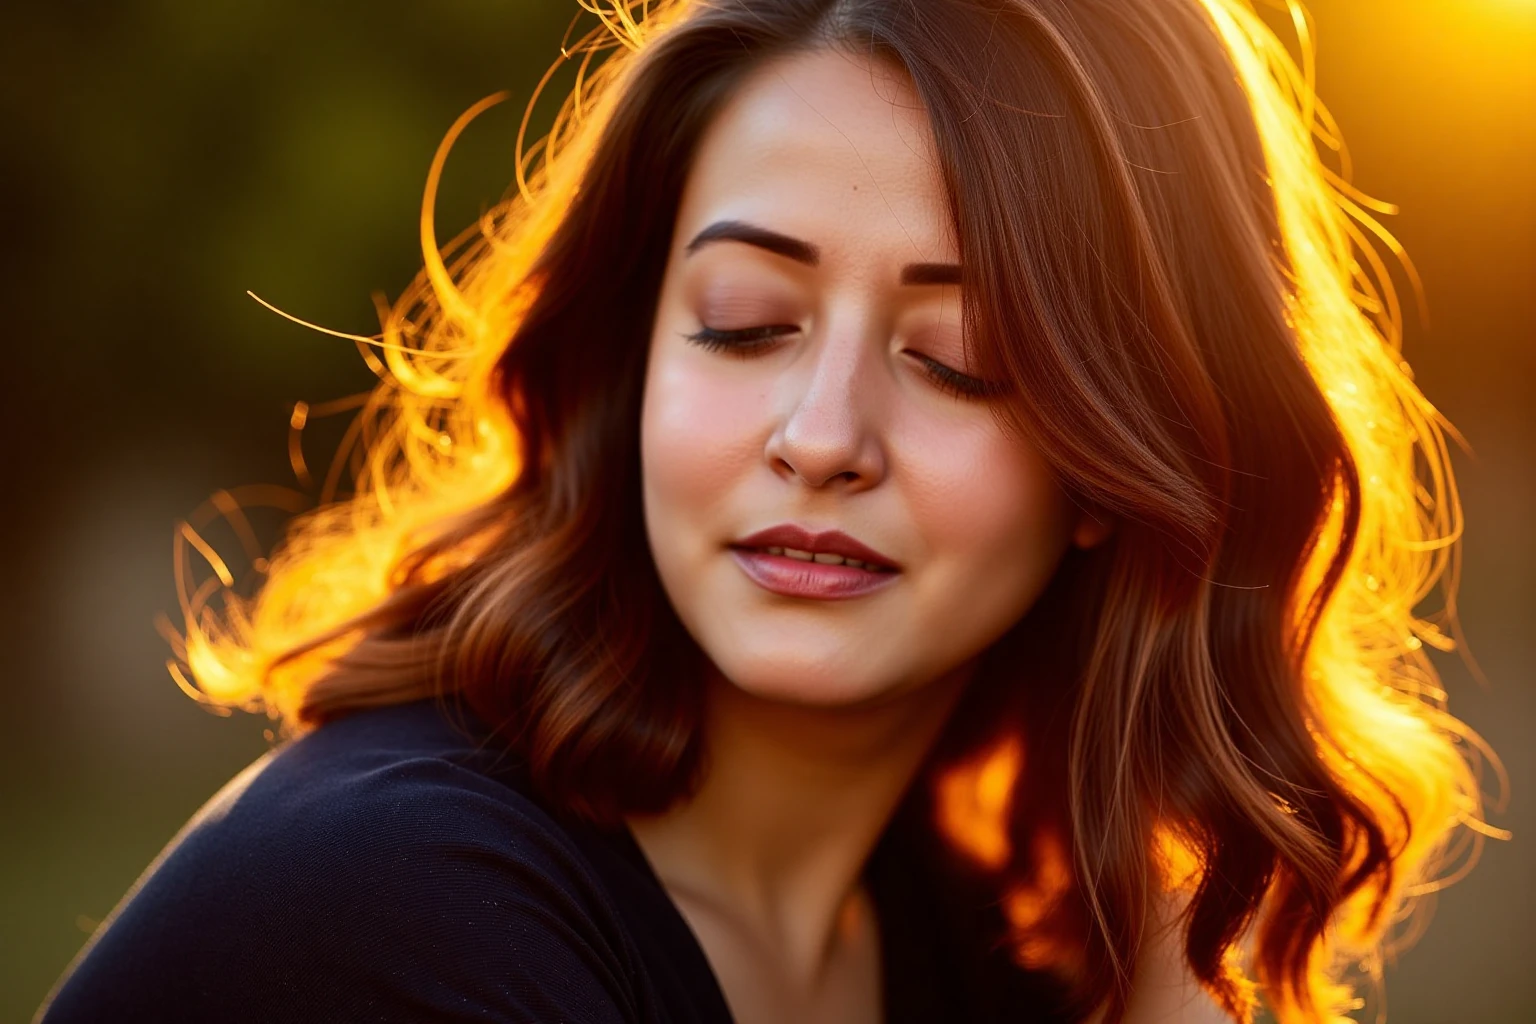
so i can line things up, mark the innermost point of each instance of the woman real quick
(910, 514)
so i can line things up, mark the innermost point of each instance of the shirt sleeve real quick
(413, 891)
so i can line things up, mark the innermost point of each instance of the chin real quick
(783, 681)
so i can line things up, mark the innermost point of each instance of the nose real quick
(829, 431)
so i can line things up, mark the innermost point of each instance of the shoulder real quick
(382, 861)
(1163, 988)
(378, 789)
(391, 802)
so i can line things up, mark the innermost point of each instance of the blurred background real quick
(160, 157)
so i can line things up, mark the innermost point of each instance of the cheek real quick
(994, 520)
(697, 437)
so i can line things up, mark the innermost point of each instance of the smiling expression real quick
(807, 369)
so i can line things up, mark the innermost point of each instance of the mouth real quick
(794, 562)
(828, 547)
(790, 576)
(817, 558)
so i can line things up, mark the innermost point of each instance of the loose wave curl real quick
(1229, 699)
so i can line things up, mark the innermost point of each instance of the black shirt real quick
(388, 867)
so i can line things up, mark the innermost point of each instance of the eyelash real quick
(744, 342)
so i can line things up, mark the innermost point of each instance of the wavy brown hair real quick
(1230, 696)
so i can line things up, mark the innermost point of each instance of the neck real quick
(793, 800)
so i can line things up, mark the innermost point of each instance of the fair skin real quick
(819, 711)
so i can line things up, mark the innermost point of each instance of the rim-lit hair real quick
(1229, 698)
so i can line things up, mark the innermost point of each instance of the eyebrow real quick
(805, 252)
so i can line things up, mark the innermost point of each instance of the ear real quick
(1093, 527)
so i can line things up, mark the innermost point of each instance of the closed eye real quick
(961, 385)
(746, 341)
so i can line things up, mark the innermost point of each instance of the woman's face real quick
(814, 223)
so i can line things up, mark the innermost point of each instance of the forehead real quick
(830, 147)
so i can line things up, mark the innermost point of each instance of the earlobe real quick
(1092, 529)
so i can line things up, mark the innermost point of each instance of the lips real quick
(792, 577)
(836, 542)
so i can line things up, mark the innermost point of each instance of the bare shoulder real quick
(1163, 989)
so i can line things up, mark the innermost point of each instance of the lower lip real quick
(792, 577)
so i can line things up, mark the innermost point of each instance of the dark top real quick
(388, 867)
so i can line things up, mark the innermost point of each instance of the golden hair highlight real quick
(1255, 723)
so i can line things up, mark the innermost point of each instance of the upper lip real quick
(788, 535)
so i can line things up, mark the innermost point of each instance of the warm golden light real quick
(429, 442)
(1387, 736)
(973, 802)
(1028, 906)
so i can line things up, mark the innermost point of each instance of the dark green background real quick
(162, 156)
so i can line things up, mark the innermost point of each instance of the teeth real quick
(821, 558)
